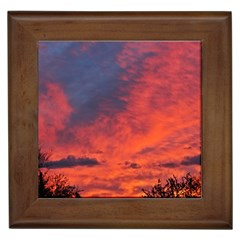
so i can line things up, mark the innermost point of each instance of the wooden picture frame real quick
(213, 210)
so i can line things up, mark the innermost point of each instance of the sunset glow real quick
(117, 116)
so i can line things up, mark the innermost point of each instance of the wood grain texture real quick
(213, 210)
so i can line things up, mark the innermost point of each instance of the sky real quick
(118, 116)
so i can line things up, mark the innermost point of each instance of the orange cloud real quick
(54, 111)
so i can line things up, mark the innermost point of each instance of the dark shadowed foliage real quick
(55, 185)
(188, 187)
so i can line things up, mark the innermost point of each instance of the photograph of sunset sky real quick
(119, 119)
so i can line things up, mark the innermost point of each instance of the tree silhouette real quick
(56, 185)
(43, 157)
(188, 187)
(43, 190)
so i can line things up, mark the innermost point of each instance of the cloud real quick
(54, 112)
(90, 77)
(169, 165)
(146, 150)
(132, 165)
(195, 160)
(71, 161)
(187, 161)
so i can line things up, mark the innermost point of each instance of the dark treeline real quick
(188, 187)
